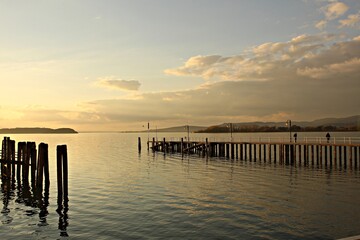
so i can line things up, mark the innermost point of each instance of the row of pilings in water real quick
(29, 162)
(300, 153)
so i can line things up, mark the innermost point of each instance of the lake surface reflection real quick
(117, 193)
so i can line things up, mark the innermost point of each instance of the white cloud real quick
(335, 10)
(321, 24)
(275, 61)
(352, 20)
(118, 84)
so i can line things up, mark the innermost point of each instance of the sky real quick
(115, 65)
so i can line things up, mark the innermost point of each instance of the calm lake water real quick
(117, 193)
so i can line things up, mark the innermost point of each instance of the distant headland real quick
(37, 131)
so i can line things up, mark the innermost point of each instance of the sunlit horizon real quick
(114, 66)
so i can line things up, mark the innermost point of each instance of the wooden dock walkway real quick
(303, 153)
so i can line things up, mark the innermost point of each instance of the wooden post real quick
(232, 151)
(139, 144)
(65, 169)
(250, 152)
(31, 149)
(275, 156)
(280, 154)
(260, 158)
(40, 166)
(20, 160)
(291, 154)
(46, 165)
(62, 174)
(182, 145)
(345, 157)
(321, 154)
(237, 151)
(25, 159)
(227, 150)
(312, 154)
(326, 155)
(269, 151)
(207, 147)
(59, 156)
(330, 155)
(350, 156)
(6, 157)
(241, 152)
(287, 154)
(12, 147)
(3, 158)
(356, 156)
(255, 153)
(264, 146)
(164, 146)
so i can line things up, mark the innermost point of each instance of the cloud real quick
(321, 24)
(332, 10)
(352, 20)
(299, 56)
(118, 84)
(348, 67)
(335, 10)
(196, 66)
(237, 100)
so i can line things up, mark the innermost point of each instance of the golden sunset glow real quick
(114, 65)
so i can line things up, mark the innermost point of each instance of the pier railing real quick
(334, 140)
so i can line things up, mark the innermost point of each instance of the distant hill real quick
(36, 130)
(326, 124)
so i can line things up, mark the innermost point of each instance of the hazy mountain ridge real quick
(350, 122)
(326, 124)
(36, 130)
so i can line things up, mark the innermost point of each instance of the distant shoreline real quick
(37, 131)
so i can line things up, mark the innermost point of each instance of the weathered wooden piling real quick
(139, 144)
(6, 156)
(62, 173)
(43, 167)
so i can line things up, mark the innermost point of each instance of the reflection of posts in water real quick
(7, 196)
(43, 205)
(63, 220)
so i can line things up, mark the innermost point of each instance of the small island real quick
(37, 130)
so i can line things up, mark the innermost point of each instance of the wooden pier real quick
(301, 153)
